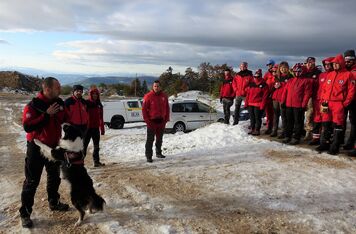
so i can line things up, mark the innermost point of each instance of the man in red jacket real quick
(77, 109)
(95, 124)
(256, 97)
(227, 94)
(336, 94)
(350, 60)
(42, 119)
(328, 67)
(296, 95)
(155, 110)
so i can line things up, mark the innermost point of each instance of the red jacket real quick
(257, 93)
(95, 112)
(339, 85)
(297, 92)
(241, 81)
(77, 111)
(278, 92)
(321, 81)
(155, 109)
(226, 89)
(40, 125)
(269, 79)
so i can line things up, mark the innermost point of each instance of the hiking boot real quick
(160, 156)
(273, 134)
(26, 222)
(286, 140)
(294, 142)
(149, 160)
(335, 145)
(99, 164)
(348, 146)
(59, 207)
(352, 153)
(268, 131)
(255, 133)
(314, 141)
(281, 136)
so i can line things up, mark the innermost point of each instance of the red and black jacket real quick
(95, 112)
(339, 85)
(77, 111)
(40, 125)
(241, 82)
(257, 93)
(226, 89)
(278, 93)
(297, 92)
(155, 109)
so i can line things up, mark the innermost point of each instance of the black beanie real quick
(349, 54)
(77, 87)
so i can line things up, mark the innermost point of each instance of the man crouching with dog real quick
(42, 119)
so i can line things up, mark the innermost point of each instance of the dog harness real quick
(74, 158)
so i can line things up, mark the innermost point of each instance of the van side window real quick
(177, 107)
(203, 108)
(133, 104)
(191, 107)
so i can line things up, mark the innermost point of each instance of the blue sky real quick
(147, 36)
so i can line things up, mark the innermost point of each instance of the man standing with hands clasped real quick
(42, 119)
(155, 112)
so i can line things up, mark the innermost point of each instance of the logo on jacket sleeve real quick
(329, 82)
(341, 82)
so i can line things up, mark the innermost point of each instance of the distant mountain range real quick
(113, 80)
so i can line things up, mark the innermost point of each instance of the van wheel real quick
(179, 127)
(117, 122)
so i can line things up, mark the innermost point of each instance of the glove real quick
(102, 132)
(277, 85)
(324, 107)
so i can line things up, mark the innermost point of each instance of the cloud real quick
(189, 32)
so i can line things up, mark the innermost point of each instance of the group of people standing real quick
(42, 119)
(310, 102)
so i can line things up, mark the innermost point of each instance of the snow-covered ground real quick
(216, 179)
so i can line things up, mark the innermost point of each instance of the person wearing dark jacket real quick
(256, 98)
(312, 73)
(227, 95)
(95, 124)
(77, 109)
(42, 119)
(350, 62)
(155, 111)
(336, 94)
(240, 84)
(296, 95)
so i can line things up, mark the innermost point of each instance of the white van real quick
(117, 113)
(191, 114)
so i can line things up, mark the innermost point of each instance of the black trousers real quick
(295, 122)
(92, 133)
(34, 164)
(238, 102)
(279, 111)
(149, 141)
(227, 103)
(255, 117)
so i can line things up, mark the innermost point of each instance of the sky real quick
(148, 36)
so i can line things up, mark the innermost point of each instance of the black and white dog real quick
(69, 151)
